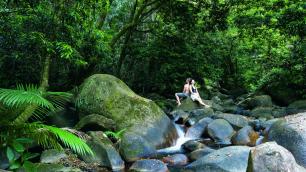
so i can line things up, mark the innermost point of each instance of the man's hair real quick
(188, 80)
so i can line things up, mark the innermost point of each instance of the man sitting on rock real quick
(185, 92)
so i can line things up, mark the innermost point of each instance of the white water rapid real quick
(176, 147)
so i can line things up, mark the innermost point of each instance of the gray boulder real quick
(228, 159)
(262, 112)
(104, 152)
(108, 96)
(221, 131)
(148, 165)
(245, 136)
(237, 121)
(270, 157)
(297, 107)
(192, 145)
(52, 156)
(279, 112)
(176, 160)
(257, 101)
(189, 105)
(199, 114)
(291, 134)
(179, 116)
(199, 153)
(197, 130)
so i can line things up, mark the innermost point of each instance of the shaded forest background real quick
(238, 46)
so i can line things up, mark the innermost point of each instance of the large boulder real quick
(257, 101)
(197, 130)
(198, 114)
(179, 116)
(245, 136)
(291, 134)
(95, 122)
(297, 107)
(104, 152)
(188, 105)
(237, 121)
(108, 96)
(228, 159)
(221, 131)
(262, 112)
(148, 165)
(270, 157)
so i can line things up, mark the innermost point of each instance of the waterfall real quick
(176, 147)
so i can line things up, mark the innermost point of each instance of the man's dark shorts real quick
(183, 95)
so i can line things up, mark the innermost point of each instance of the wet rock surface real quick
(221, 131)
(245, 136)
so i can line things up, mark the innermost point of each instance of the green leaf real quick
(10, 154)
(24, 140)
(28, 156)
(15, 165)
(18, 147)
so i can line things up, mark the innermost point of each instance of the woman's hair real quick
(190, 80)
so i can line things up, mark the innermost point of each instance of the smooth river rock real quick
(291, 134)
(148, 165)
(197, 130)
(237, 121)
(176, 160)
(245, 136)
(271, 157)
(221, 131)
(228, 159)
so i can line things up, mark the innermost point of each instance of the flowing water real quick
(177, 146)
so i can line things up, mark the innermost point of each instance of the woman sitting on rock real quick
(195, 96)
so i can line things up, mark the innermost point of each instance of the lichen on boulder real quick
(108, 96)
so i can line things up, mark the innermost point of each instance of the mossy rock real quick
(188, 105)
(262, 112)
(105, 153)
(95, 122)
(108, 96)
(297, 107)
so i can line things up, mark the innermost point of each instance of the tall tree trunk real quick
(44, 84)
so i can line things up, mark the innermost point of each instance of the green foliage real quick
(46, 136)
(155, 45)
(117, 135)
(16, 152)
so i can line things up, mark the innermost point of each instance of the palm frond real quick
(58, 99)
(70, 140)
(46, 136)
(21, 96)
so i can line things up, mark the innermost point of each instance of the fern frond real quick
(21, 96)
(70, 140)
(58, 99)
(46, 136)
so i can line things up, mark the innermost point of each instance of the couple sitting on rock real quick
(190, 90)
